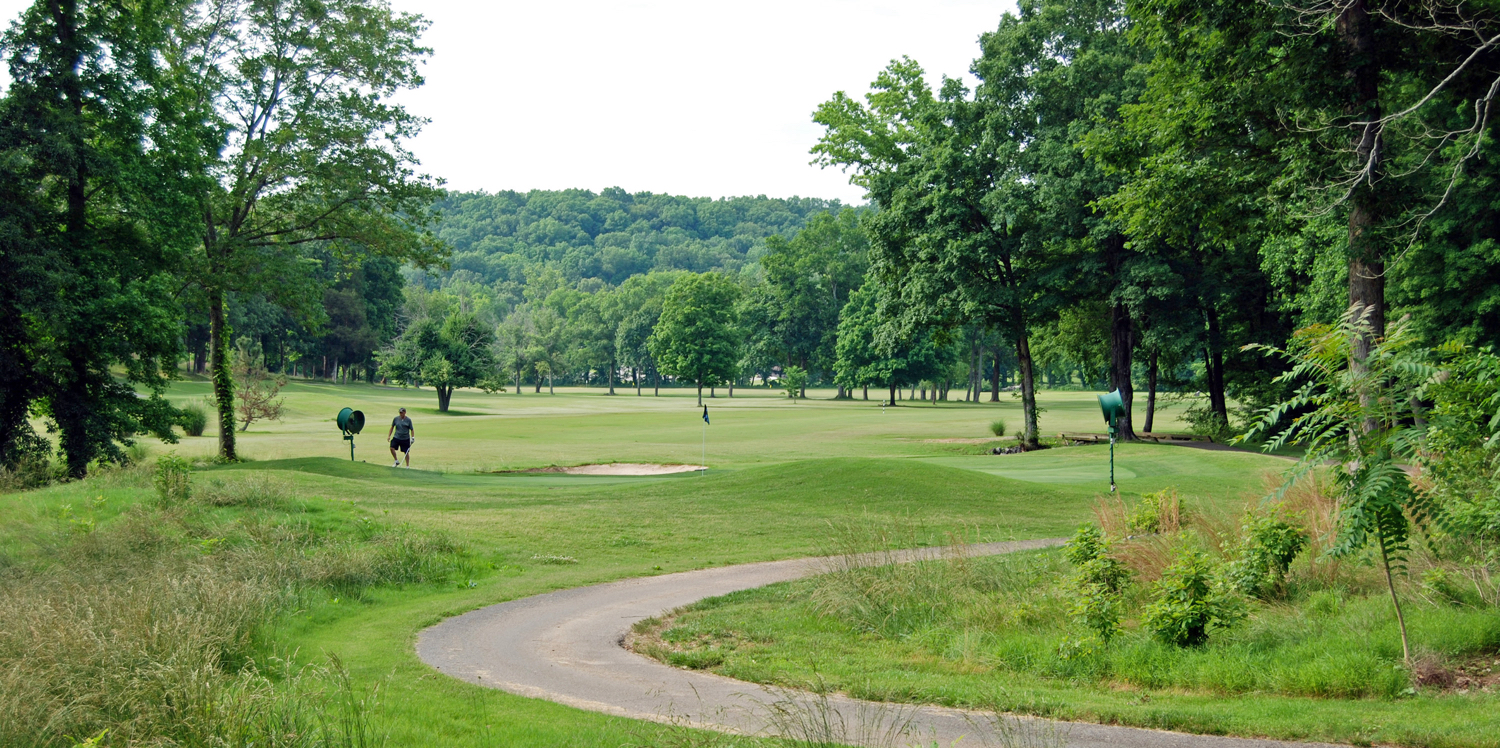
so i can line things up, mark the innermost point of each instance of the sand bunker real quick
(614, 468)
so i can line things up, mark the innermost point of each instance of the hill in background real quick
(507, 238)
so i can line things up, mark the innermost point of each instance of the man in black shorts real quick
(401, 435)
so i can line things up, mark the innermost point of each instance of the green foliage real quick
(1204, 421)
(172, 478)
(1155, 512)
(193, 419)
(506, 239)
(697, 339)
(1188, 602)
(95, 225)
(997, 427)
(872, 349)
(808, 280)
(1356, 411)
(1462, 452)
(1097, 583)
(793, 379)
(456, 352)
(1268, 544)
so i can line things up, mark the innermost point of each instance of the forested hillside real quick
(507, 237)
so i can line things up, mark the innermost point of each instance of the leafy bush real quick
(1203, 421)
(172, 480)
(997, 427)
(1187, 602)
(193, 419)
(1267, 546)
(29, 464)
(1154, 513)
(1098, 581)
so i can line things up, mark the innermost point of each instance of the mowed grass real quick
(783, 472)
(499, 431)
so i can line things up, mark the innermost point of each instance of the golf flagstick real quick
(705, 441)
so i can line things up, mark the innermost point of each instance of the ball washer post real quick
(1113, 406)
(351, 422)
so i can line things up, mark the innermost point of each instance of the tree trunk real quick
(550, 390)
(1030, 437)
(611, 375)
(893, 393)
(1151, 392)
(867, 392)
(1356, 30)
(995, 377)
(1122, 346)
(731, 388)
(700, 392)
(972, 395)
(1385, 562)
(636, 375)
(1213, 364)
(656, 383)
(223, 380)
(445, 395)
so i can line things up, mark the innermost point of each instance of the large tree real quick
(309, 150)
(445, 355)
(91, 227)
(697, 338)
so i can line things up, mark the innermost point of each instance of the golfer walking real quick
(401, 435)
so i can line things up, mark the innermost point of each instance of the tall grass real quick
(1332, 635)
(156, 626)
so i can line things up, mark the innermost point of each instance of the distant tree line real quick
(1132, 194)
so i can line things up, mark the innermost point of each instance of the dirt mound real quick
(613, 468)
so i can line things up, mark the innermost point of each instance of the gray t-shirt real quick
(403, 427)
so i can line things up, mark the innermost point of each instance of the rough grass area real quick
(1324, 662)
(131, 621)
(345, 533)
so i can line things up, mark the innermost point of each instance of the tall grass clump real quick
(157, 626)
(865, 582)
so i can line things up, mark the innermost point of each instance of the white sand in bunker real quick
(614, 468)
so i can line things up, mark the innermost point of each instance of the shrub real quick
(1204, 422)
(1187, 602)
(172, 480)
(29, 464)
(1155, 512)
(1098, 582)
(1267, 546)
(997, 427)
(193, 419)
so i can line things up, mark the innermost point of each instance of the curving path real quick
(567, 647)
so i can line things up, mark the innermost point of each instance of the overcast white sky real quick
(692, 98)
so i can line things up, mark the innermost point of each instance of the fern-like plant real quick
(1356, 413)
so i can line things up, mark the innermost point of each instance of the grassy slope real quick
(767, 506)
